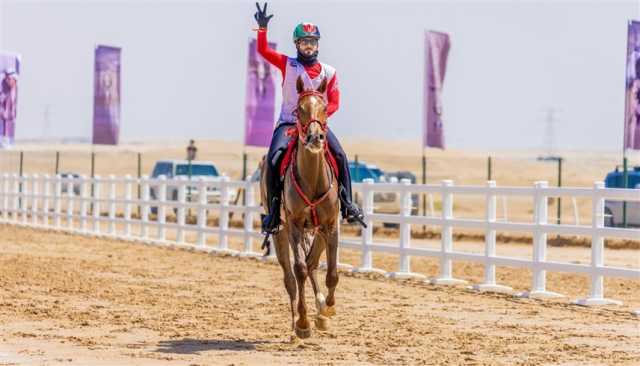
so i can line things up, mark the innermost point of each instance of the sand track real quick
(67, 300)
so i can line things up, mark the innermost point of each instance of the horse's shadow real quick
(194, 346)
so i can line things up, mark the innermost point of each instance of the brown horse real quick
(310, 213)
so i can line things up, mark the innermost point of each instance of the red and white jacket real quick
(291, 69)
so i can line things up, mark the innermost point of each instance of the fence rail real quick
(68, 204)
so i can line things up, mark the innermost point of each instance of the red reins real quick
(301, 131)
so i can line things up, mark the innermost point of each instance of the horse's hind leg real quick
(282, 252)
(332, 271)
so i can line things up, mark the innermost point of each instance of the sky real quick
(184, 67)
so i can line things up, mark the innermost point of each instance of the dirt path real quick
(72, 300)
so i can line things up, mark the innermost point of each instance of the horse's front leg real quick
(332, 271)
(313, 261)
(282, 251)
(302, 327)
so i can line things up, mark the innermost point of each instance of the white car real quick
(194, 170)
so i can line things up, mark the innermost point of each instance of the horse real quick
(309, 212)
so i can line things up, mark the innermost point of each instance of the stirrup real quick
(353, 214)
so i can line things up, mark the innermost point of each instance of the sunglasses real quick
(308, 41)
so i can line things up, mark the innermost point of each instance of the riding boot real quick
(271, 222)
(350, 211)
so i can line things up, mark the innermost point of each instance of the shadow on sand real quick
(194, 346)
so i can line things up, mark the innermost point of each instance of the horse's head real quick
(312, 116)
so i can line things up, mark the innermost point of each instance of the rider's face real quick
(307, 46)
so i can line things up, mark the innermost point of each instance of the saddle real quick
(290, 151)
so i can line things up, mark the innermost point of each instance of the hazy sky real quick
(184, 67)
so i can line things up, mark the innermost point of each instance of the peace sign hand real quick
(261, 16)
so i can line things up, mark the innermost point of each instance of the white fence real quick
(104, 207)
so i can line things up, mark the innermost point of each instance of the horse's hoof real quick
(322, 323)
(303, 333)
(329, 311)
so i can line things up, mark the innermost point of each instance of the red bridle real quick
(302, 129)
(302, 132)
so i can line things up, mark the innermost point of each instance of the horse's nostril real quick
(321, 137)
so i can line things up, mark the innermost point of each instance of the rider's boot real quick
(271, 222)
(350, 211)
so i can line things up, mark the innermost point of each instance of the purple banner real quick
(106, 96)
(9, 71)
(632, 103)
(436, 53)
(260, 102)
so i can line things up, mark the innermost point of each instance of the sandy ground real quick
(71, 300)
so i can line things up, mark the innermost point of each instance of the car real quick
(76, 185)
(613, 210)
(193, 170)
(360, 171)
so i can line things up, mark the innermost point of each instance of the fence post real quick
(5, 196)
(223, 246)
(144, 207)
(540, 218)
(112, 205)
(127, 205)
(366, 261)
(83, 203)
(405, 235)
(96, 204)
(489, 283)
(70, 200)
(16, 197)
(182, 190)
(57, 202)
(249, 194)
(35, 192)
(202, 213)
(24, 197)
(446, 266)
(597, 251)
(162, 209)
(46, 200)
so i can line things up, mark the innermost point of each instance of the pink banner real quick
(632, 103)
(260, 102)
(9, 70)
(106, 97)
(436, 52)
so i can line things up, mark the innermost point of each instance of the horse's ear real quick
(300, 85)
(323, 86)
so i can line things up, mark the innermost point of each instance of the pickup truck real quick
(613, 209)
(195, 171)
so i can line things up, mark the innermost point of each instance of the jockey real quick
(305, 65)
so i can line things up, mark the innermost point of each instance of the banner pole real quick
(559, 212)
(424, 182)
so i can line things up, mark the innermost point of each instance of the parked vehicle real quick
(360, 171)
(76, 186)
(194, 170)
(613, 210)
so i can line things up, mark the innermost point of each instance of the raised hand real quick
(261, 16)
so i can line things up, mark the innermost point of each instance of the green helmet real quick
(306, 30)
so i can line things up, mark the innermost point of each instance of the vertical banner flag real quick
(260, 99)
(106, 96)
(436, 52)
(632, 103)
(9, 70)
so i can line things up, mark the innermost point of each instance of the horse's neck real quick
(312, 171)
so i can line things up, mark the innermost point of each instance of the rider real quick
(312, 72)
